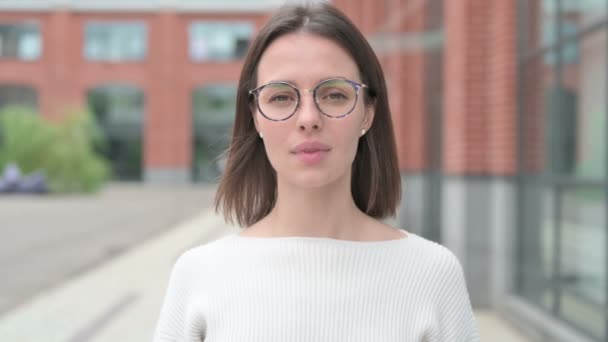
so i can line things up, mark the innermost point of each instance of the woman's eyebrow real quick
(282, 80)
(296, 83)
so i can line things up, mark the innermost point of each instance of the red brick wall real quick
(501, 151)
(413, 109)
(167, 77)
(480, 80)
(466, 68)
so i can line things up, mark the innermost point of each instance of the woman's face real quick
(310, 149)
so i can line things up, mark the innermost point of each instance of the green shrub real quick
(64, 150)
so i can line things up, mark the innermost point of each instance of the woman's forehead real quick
(304, 59)
(319, 81)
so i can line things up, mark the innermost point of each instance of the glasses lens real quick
(277, 100)
(336, 97)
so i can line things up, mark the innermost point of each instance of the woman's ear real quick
(370, 113)
(254, 117)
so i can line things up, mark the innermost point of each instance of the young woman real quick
(311, 172)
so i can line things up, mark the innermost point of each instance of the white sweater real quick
(304, 289)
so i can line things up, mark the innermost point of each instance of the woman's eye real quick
(280, 98)
(337, 96)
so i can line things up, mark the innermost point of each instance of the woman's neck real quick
(320, 212)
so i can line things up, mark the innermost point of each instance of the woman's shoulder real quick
(196, 256)
(415, 247)
(428, 250)
(437, 257)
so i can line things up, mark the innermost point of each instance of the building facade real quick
(159, 76)
(499, 110)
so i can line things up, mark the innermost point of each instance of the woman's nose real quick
(309, 118)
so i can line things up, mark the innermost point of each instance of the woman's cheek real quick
(270, 153)
(275, 153)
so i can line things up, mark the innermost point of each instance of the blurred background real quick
(114, 114)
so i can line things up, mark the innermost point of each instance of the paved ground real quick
(119, 299)
(49, 239)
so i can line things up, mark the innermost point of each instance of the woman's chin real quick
(313, 180)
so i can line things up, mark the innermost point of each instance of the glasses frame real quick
(356, 85)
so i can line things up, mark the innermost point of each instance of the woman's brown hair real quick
(248, 188)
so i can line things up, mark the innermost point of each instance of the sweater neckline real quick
(328, 240)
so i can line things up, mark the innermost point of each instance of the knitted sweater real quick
(296, 289)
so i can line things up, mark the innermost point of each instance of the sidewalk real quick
(120, 300)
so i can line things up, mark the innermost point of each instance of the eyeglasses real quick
(334, 97)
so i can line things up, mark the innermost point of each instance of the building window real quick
(18, 95)
(20, 41)
(119, 110)
(562, 252)
(115, 41)
(219, 40)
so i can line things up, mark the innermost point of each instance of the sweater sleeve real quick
(455, 319)
(172, 323)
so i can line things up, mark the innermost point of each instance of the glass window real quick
(18, 95)
(536, 252)
(119, 110)
(582, 13)
(590, 91)
(115, 41)
(577, 121)
(569, 53)
(20, 40)
(562, 245)
(547, 23)
(219, 40)
(565, 120)
(582, 280)
(546, 17)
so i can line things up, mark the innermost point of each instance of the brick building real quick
(148, 71)
(499, 110)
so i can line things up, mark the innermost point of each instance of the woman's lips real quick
(312, 157)
(311, 152)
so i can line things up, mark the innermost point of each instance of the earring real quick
(261, 135)
(362, 132)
